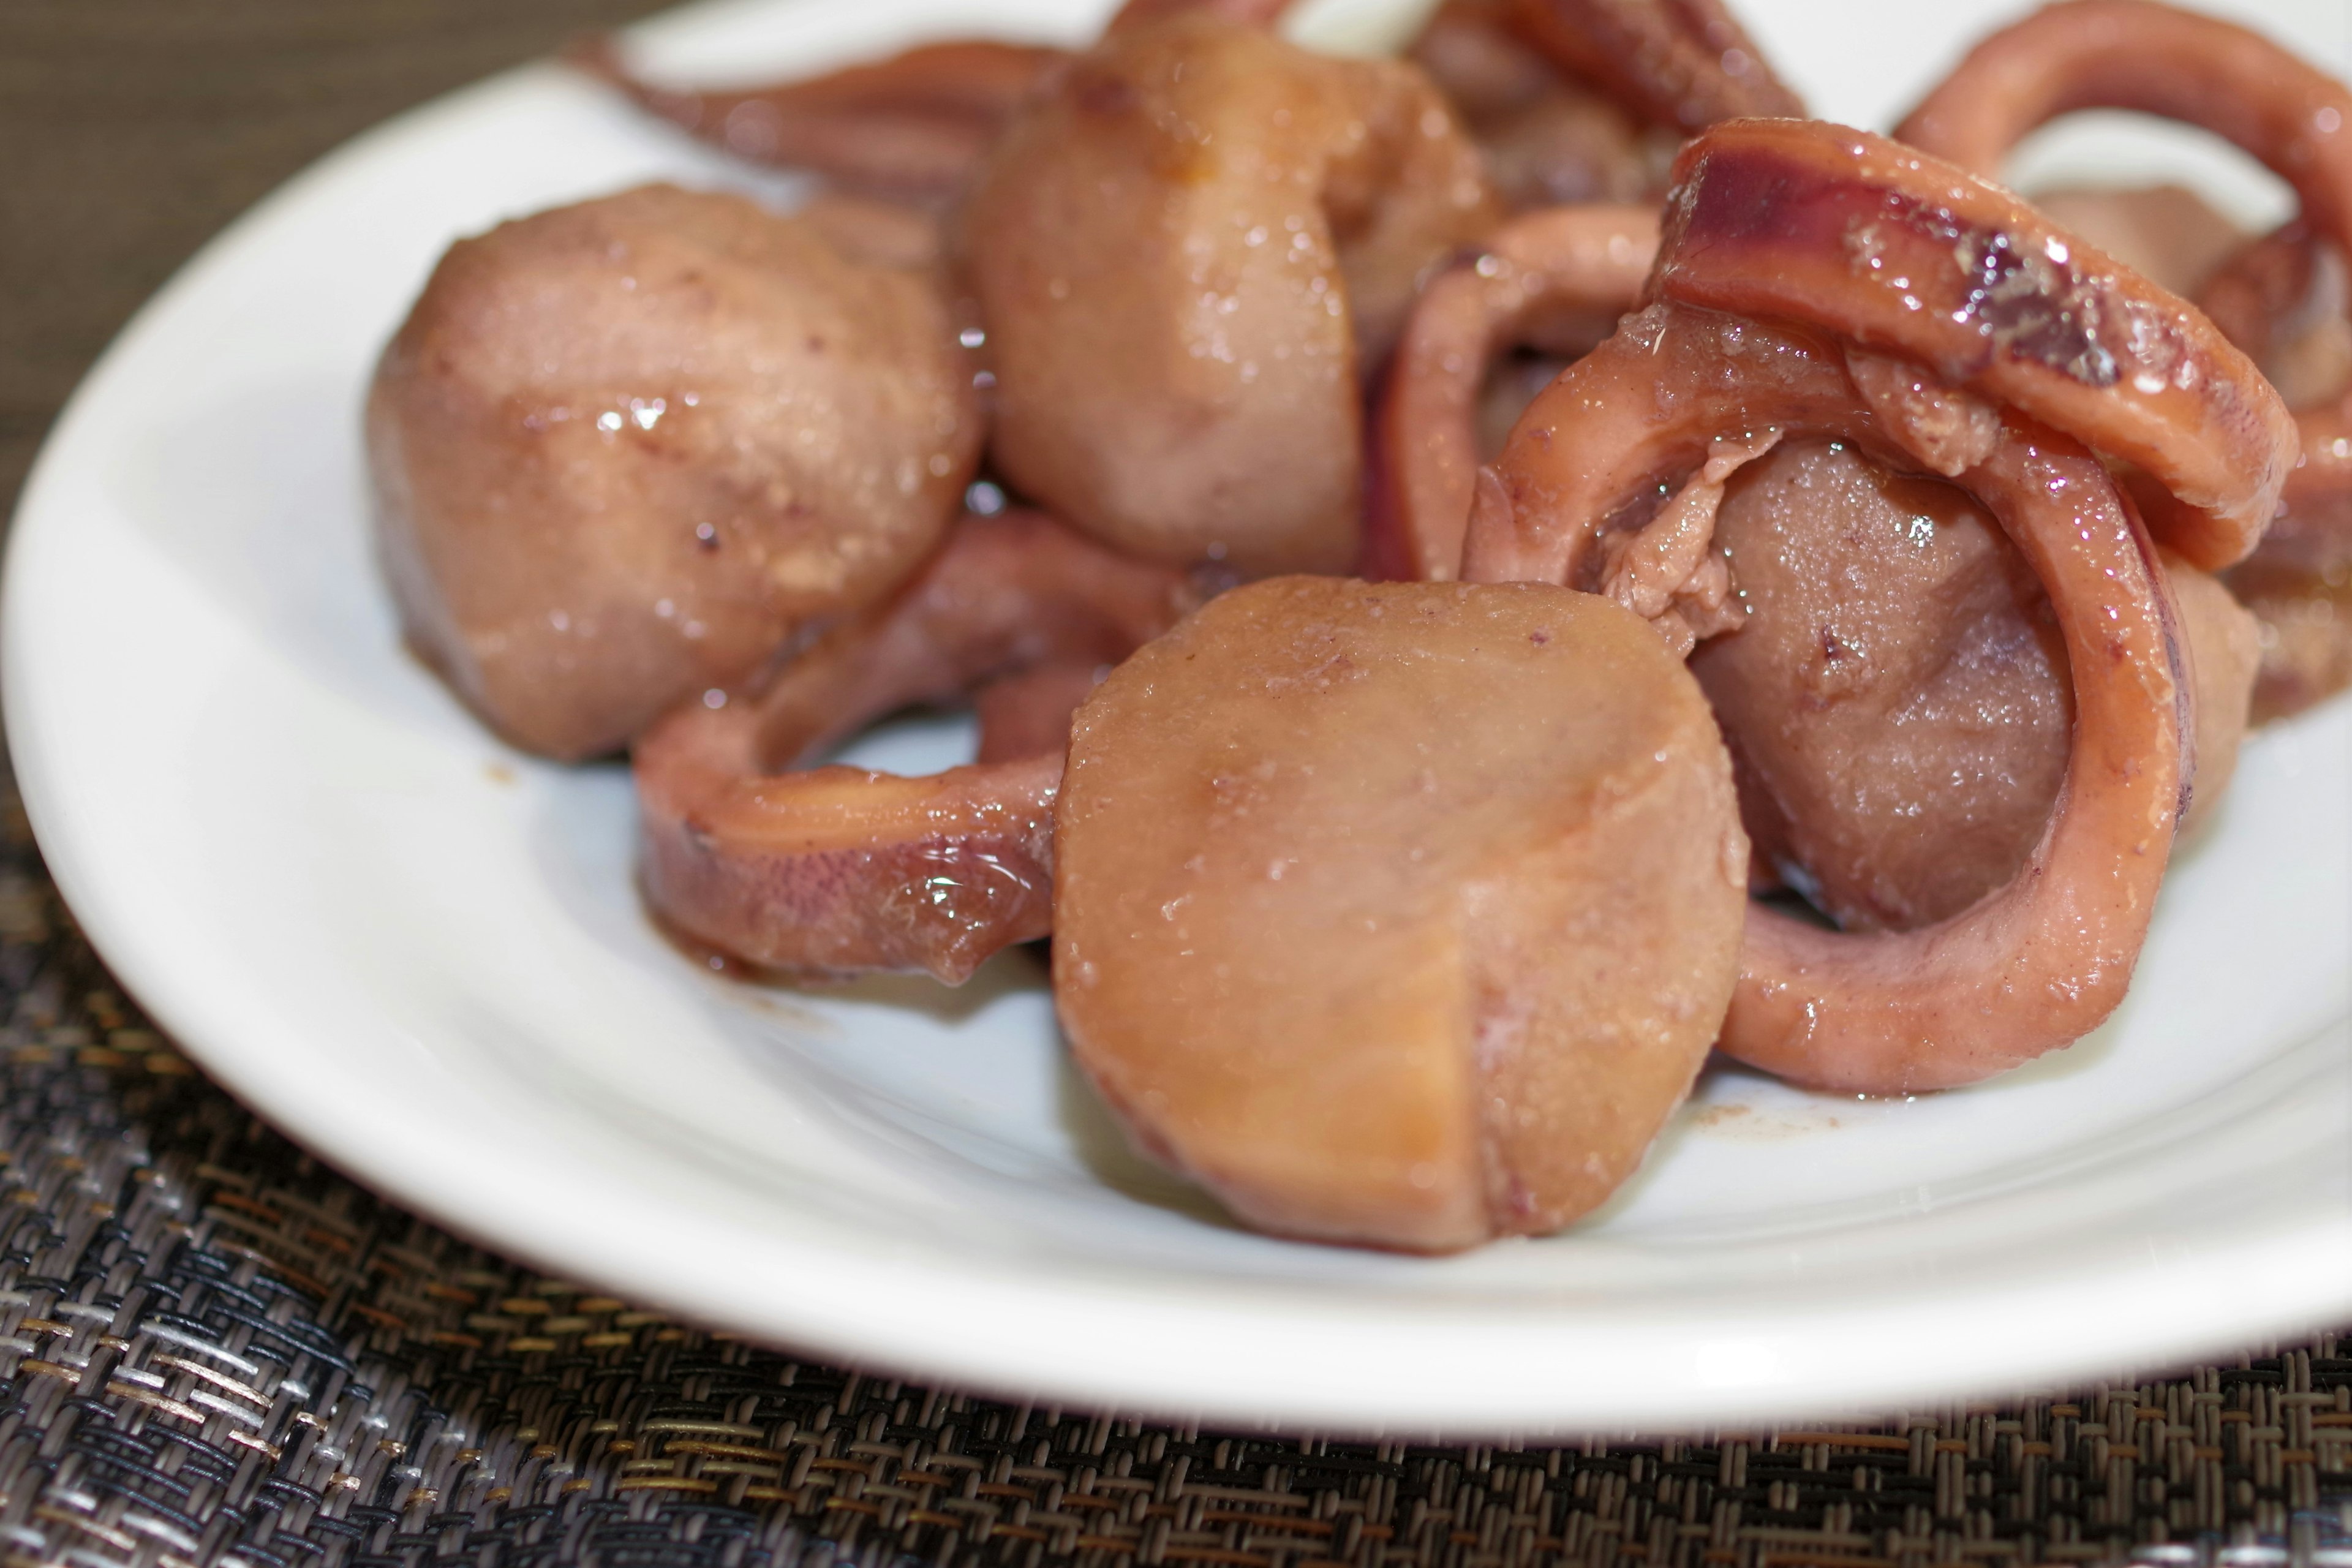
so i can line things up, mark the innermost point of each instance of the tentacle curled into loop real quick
(1570, 261)
(914, 127)
(1684, 64)
(2038, 963)
(1895, 251)
(837, 869)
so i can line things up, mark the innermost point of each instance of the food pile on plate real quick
(1483, 576)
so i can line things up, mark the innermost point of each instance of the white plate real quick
(421, 955)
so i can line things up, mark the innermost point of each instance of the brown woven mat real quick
(213, 1350)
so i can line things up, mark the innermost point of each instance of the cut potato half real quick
(1399, 914)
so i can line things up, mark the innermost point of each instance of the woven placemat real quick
(214, 1351)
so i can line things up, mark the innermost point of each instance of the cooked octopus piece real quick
(829, 870)
(1187, 256)
(1397, 914)
(623, 450)
(1615, 478)
(2280, 299)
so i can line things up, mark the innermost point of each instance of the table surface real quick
(213, 1350)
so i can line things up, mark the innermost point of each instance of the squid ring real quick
(1425, 439)
(2035, 965)
(1784, 221)
(2138, 55)
(836, 871)
(2296, 120)
(1839, 229)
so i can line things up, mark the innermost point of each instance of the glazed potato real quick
(622, 451)
(1398, 914)
(1188, 252)
(1897, 696)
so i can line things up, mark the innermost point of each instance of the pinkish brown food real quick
(1616, 478)
(2041, 962)
(1547, 279)
(1187, 254)
(835, 870)
(2168, 234)
(622, 451)
(1896, 697)
(1549, 139)
(914, 127)
(2271, 299)
(1899, 252)
(1686, 64)
(1397, 914)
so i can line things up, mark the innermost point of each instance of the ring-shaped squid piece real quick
(2283, 299)
(837, 869)
(2038, 963)
(1425, 443)
(2297, 121)
(1906, 254)
(2157, 59)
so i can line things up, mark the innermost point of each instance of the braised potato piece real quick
(1896, 695)
(622, 450)
(1188, 252)
(1399, 914)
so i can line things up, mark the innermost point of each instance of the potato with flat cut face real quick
(1398, 914)
(622, 451)
(1186, 253)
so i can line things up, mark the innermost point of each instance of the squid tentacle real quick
(1425, 447)
(837, 869)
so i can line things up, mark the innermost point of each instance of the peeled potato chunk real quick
(624, 451)
(1398, 914)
